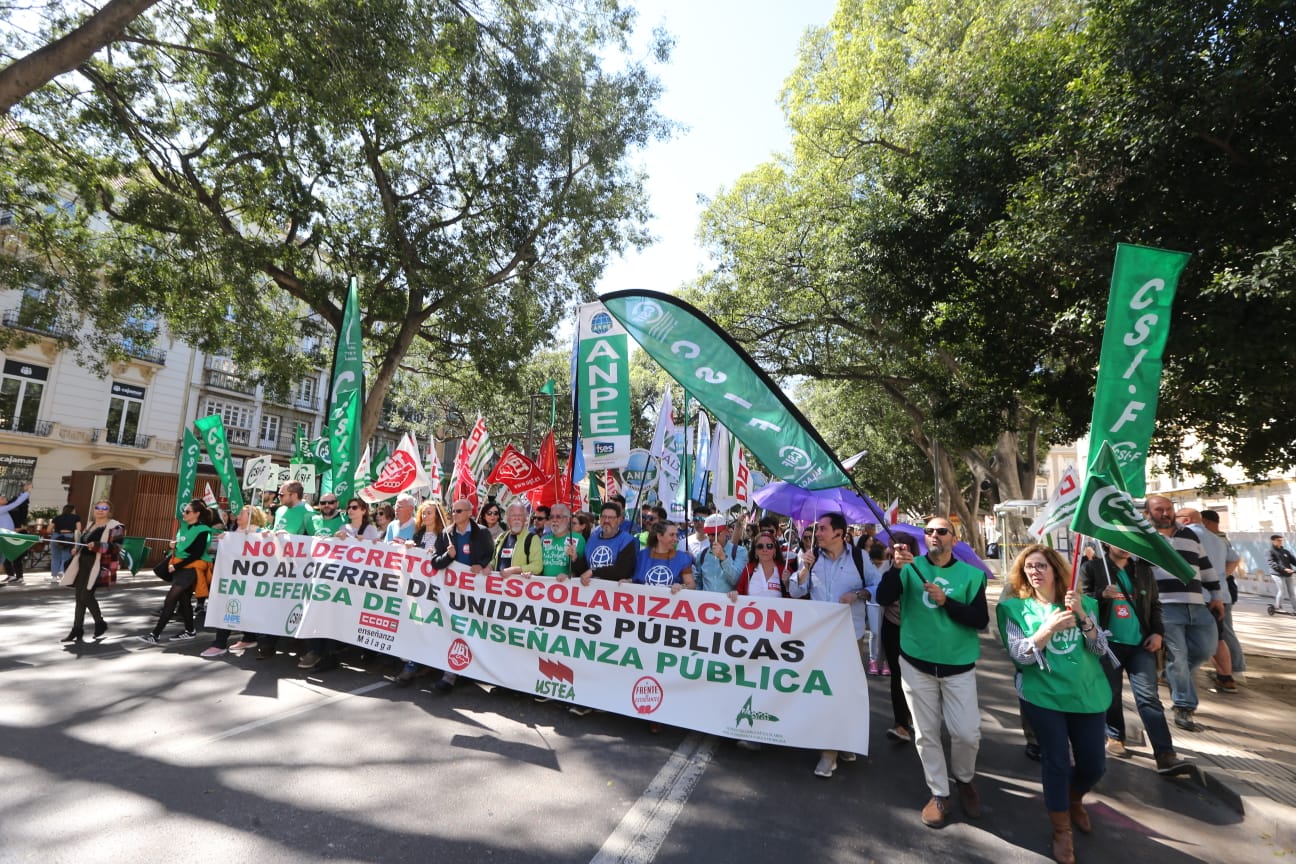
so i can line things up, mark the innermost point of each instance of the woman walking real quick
(96, 561)
(187, 566)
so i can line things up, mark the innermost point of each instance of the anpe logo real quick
(459, 656)
(601, 323)
(647, 694)
(233, 610)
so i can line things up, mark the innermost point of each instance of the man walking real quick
(1282, 563)
(1191, 637)
(943, 606)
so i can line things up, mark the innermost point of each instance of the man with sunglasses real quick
(466, 543)
(943, 605)
(328, 519)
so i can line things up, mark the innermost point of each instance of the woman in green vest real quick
(1052, 635)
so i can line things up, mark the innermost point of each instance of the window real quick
(124, 408)
(305, 394)
(301, 429)
(21, 389)
(269, 430)
(232, 414)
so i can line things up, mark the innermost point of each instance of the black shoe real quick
(1033, 752)
(443, 686)
(74, 636)
(100, 629)
(327, 662)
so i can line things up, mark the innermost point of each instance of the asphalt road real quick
(118, 751)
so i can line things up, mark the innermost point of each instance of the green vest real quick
(1074, 682)
(926, 630)
(186, 535)
(216, 532)
(1123, 624)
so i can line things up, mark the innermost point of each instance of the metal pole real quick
(530, 426)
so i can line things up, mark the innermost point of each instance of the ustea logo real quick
(459, 656)
(559, 680)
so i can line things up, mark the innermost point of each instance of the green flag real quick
(550, 389)
(725, 379)
(190, 450)
(601, 376)
(1106, 512)
(134, 552)
(379, 460)
(212, 430)
(13, 545)
(346, 399)
(301, 449)
(1129, 370)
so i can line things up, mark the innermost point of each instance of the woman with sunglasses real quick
(491, 520)
(96, 559)
(1052, 635)
(357, 525)
(767, 576)
(185, 569)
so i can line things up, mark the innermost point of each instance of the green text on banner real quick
(190, 450)
(346, 399)
(212, 430)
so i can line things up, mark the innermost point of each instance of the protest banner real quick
(770, 670)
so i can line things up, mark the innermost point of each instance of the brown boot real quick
(1079, 816)
(1063, 851)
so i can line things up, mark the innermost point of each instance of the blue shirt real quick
(661, 571)
(720, 575)
(6, 521)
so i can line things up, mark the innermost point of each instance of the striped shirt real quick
(1171, 589)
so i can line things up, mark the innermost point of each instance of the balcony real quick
(144, 352)
(234, 435)
(228, 381)
(21, 319)
(40, 428)
(305, 404)
(282, 444)
(142, 442)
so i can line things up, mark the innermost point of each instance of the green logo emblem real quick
(746, 712)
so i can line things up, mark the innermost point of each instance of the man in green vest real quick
(294, 515)
(942, 606)
(327, 520)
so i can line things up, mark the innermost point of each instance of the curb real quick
(1273, 820)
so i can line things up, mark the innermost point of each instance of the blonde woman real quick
(96, 564)
(250, 520)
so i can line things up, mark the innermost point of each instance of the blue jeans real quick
(1060, 735)
(1191, 638)
(60, 553)
(1236, 657)
(1140, 665)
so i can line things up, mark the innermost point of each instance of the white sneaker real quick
(826, 767)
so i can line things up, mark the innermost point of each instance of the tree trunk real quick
(46, 63)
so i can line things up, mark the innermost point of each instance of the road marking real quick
(284, 715)
(644, 827)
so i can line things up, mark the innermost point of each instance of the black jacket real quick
(1280, 560)
(481, 547)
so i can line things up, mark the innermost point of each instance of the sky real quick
(722, 85)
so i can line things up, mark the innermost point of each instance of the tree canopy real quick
(943, 230)
(233, 161)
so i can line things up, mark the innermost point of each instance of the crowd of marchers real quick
(917, 614)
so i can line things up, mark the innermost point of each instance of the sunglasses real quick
(182, 512)
(939, 532)
(461, 510)
(105, 507)
(764, 546)
(355, 507)
(328, 503)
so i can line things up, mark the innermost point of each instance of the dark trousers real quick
(1061, 735)
(85, 599)
(14, 569)
(891, 648)
(177, 598)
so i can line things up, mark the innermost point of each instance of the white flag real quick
(893, 512)
(850, 463)
(1061, 506)
(732, 483)
(402, 471)
(362, 468)
(209, 497)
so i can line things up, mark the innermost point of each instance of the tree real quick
(68, 51)
(469, 163)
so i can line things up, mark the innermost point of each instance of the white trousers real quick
(954, 700)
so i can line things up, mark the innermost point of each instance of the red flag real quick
(516, 471)
(547, 495)
(434, 470)
(465, 487)
(610, 486)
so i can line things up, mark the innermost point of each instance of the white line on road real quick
(645, 826)
(284, 715)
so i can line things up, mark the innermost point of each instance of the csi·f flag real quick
(1106, 512)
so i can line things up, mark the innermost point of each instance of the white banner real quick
(770, 670)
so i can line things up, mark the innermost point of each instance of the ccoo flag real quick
(725, 379)
(1129, 370)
